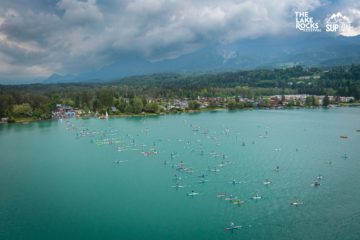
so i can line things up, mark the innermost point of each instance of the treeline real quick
(134, 94)
(38, 101)
(341, 81)
(17, 104)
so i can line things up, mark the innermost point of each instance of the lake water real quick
(112, 179)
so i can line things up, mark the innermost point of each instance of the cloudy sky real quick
(42, 37)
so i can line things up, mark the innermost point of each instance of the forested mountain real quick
(320, 50)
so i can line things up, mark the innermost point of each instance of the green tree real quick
(128, 108)
(144, 101)
(264, 102)
(152, 107)
(232, 105)
(6, 102)
(106, 98)
(22, 110)
(309, 101)
(77, 101)
(42, 112)
(85, 99)
(326, 101)
(121, 105)
(137, 105)
(291, 103)
(96, 105)
(194, 105)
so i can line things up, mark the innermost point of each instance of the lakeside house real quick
(113, 109)
(177, 104)
(346, 99)
(292, 97)
(4, 120)
(63, 111)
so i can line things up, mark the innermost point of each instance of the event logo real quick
(306, 23)
(337, 22)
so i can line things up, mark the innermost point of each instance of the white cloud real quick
(352, 23)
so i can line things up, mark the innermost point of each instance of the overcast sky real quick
(41, 37)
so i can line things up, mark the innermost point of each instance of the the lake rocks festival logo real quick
(335, 22)
(306, 23)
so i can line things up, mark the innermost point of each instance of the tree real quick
(152, 107)
(232, 105)
(265, 103)
(121, 105)
(128, 108)
(96, 105)
(106, 98)
(22, 110)
(137, 105)
(85, 99)
(6, 102)
(77, 101)
(309, 101)
(42, 112)
(291, 103)
(194, 105)
(144, 101)
(282, 99)
(326, 101)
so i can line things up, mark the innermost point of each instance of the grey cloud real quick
(29, 26)
(80, 12)
(71, 35)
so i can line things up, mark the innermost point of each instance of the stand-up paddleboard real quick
(232, 227)
(267, 182)
(193, 194)
(230, 199)
(238, 202)
(221, 195)
(256, 197)
(296, 203)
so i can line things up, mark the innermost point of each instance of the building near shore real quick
(4, 120)
(63, 111)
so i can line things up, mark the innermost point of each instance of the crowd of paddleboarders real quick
(181, 169)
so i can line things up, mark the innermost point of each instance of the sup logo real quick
(306, 23)
(337, 22)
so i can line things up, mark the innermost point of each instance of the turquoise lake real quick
(116, 178)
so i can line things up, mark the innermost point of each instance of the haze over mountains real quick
(317, 50)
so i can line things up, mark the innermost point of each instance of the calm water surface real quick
(112, 179)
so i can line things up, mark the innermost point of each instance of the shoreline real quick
(25, 121)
